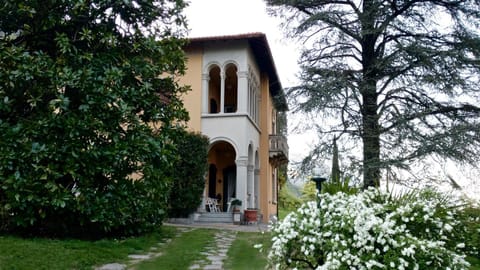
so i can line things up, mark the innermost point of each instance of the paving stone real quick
(139, 256)
(213, 267)
(195, 266)
(215, 258)
(112, 266)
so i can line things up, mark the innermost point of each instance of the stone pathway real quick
(217, 253)
(137, 258)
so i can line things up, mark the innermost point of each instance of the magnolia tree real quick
(86, 108)
(370, 230)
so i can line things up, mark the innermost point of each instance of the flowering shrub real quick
(369, 230)
(470, 217)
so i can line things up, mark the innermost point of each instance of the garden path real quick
(215, 254)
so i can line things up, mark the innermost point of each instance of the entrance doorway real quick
(222, 173)
(230, 184)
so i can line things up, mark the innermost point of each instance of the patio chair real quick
(212, 204)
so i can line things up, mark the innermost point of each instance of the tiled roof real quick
(261, 50)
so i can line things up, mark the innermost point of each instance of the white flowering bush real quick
(369, 230)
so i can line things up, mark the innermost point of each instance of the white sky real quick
(230, 17)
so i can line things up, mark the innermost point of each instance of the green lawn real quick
(180, 253)
(242, 254)
(38, 253)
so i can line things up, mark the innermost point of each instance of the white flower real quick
(353, 230)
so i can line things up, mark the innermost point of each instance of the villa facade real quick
(235, 99)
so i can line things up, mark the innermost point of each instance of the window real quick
(231, 89)
(214, 90)
(274, 122)
(253, 92)
(274, 185)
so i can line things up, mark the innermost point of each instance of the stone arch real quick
(222, 155)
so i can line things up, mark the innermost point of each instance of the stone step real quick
(221, 217)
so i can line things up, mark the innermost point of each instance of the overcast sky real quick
(230, 17)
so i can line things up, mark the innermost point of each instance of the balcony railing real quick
(278, 149)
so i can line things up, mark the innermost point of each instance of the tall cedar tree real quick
(82, 83)
(402, 77)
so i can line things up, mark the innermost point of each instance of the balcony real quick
(278, 149)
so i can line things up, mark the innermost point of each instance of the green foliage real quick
(79, 81)
(394, 81)
(309, 191)
(189, 173)
(236, 202)
(342, 185)
(371, 229)
(469, 216)
(282, 175)
(287, 199)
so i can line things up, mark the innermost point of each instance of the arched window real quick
(231, 89)
(214, 90)
(253, 91)
(274, 122)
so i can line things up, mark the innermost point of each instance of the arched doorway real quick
(222, 181)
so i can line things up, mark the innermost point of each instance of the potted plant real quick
(236, 203)
(251, 215)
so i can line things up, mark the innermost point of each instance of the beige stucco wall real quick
(193, 77)
(193, 103)
(267, 206)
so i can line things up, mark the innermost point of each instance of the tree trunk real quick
(335, 163)
(368, 90)
(371, 140)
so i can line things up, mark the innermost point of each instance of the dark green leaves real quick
(79, 83)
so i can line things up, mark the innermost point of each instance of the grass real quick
(242, 254)
(39, 253)
(282, 213)
(181, 252)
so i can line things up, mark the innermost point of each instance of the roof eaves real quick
(259, 44)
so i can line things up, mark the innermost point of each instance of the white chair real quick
(212, 204)
(229, 204)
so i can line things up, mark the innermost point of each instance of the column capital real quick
(242, 162)
(242, 74)
(205, 77)
(250, 168)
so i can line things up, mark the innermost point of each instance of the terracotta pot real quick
(250, 215)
